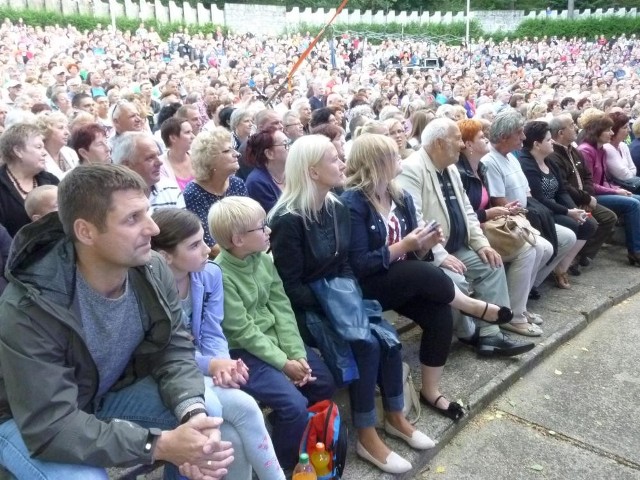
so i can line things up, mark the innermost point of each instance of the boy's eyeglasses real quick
(263, 228)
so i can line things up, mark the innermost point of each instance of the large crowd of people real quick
(190, 185)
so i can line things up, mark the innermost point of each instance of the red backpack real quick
(325, 426)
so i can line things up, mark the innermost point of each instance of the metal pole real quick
(570, 7)
(466, 37)
(112, 10)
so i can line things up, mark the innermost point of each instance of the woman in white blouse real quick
(619, 164)
(54, 127)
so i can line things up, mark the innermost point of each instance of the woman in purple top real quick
(597, 133)
(199, 284)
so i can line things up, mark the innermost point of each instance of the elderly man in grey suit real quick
(432, 179)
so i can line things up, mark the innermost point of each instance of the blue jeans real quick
(375, 366)
(139, 403)
(271, 387)
(629, 209)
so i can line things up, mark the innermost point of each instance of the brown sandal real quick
(562, 280)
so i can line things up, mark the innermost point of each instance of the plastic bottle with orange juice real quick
(304, 470)
(321, 461)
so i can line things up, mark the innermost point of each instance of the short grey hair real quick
(300, 103)
(124, 147)
(559, 122)
(237, 116)
(445, 110)
(290, 116)
(505, 123)
(390, 112)
(436, 129)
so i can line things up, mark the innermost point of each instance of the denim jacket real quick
(368, 250)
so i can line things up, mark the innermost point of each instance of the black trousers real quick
(421, 292)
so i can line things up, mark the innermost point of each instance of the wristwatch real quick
(192, 413)
(152, 438)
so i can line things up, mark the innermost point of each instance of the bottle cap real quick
(304, 458)
(319, 446)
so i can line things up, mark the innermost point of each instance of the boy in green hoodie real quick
(260, 326)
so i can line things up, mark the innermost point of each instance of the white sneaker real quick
(526, 329)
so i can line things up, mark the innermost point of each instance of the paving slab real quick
(589, 390)
(478, 453)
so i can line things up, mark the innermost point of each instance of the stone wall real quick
(273, 20)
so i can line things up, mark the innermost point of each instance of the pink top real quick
(484, 200)
(182, 182)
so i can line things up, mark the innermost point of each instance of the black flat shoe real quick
(585, 261)
(455, 411)
(505, 315)
(535, 294)
(634, 258)
(501, 345)
(574, 270)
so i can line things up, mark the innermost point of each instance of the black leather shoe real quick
(534, 294)
(585, 261)
(501, 345)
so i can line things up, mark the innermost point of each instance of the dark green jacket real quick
(48, 380)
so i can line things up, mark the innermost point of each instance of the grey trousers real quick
(486, 283)
(522, 269)
(566, 241)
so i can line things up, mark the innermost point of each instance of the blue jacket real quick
(262, 188)
(368, 250)
(207, 300)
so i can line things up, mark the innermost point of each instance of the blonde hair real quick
(33, 201)
(46, 122)
(589, 115)
(205, 148)
(635, 128)
(300, 192)
(231, 216)
(370, 126)
(371, 163)
(536, 110)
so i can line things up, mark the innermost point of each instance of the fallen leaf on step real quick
(440, 469)
(547, 397)
(558, 372)
(536, 467)
(576, 372)
(551, 432)
(584, 349)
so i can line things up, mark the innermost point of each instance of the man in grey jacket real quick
(95, 368)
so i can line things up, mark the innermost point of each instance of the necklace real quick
(17, 184)
(275, 180)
